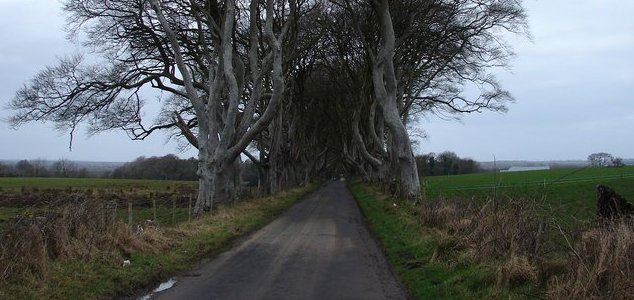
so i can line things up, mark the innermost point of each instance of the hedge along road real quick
(319, 249)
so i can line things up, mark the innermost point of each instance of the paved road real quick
(319, 249)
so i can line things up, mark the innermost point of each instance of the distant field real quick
(570, 194)
(28, 196)
(17, 183)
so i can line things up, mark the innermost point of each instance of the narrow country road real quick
(319, 249)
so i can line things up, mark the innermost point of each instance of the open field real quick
(29, 183)
(569, 194)
(133, 201)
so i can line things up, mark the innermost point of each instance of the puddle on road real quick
(163, 286)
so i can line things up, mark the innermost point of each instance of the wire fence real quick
(156, 208)
(42, 225)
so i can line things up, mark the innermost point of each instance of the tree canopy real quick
(302, 88)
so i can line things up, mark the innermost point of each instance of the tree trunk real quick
(228, 182)
(386, 88)
(206, 187)
(264, 187)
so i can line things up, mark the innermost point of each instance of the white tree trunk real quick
(223, 133)
(386, 89)
(206, 185)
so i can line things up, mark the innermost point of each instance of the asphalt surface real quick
(319, 249)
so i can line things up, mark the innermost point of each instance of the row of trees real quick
(302, 88)
(445, 163)
(41, 168)
(168, 167)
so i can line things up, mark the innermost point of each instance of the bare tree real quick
(600, 159)
(221, 62)
(64, 168)
(348, 75)
(419, 63)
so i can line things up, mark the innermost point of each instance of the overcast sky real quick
(573, 88)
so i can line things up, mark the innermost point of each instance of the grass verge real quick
(410, 248)
(510, 248)
(181, 247)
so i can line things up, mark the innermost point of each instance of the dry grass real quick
(516, 271)
(79, 249)
(23, 254)
(601, 265)
(509, 231)
(511, 235)
(86, 230)
(489, 231)
(449, 214)
(506, 229)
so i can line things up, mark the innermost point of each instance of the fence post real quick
(173, 210)
(130, 214)
(154, 209)
(189, 209)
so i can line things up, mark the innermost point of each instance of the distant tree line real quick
(42, 168)
(445, 163)
(168, 167)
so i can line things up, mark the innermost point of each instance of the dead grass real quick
(507, 233)
(601, 265)
(509, 228)
(78, 251)
(85, 230)
(515, 271)
(23, 254)
(454, 215)
(510, 236)
(489, 231)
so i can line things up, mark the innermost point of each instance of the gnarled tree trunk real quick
(385, 89)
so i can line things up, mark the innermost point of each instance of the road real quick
(319, 249)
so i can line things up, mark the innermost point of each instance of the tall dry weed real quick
(83, 230)
(23, 253)
(512, 227)
(454, 215)
(601, 265)
(518, 269)
(489, 231)
(510, 231)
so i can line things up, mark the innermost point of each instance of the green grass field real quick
(17, 183)
(569, 194)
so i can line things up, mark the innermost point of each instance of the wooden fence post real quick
(173, 210)
(189, 209)
(154, 208)
(130, 214)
